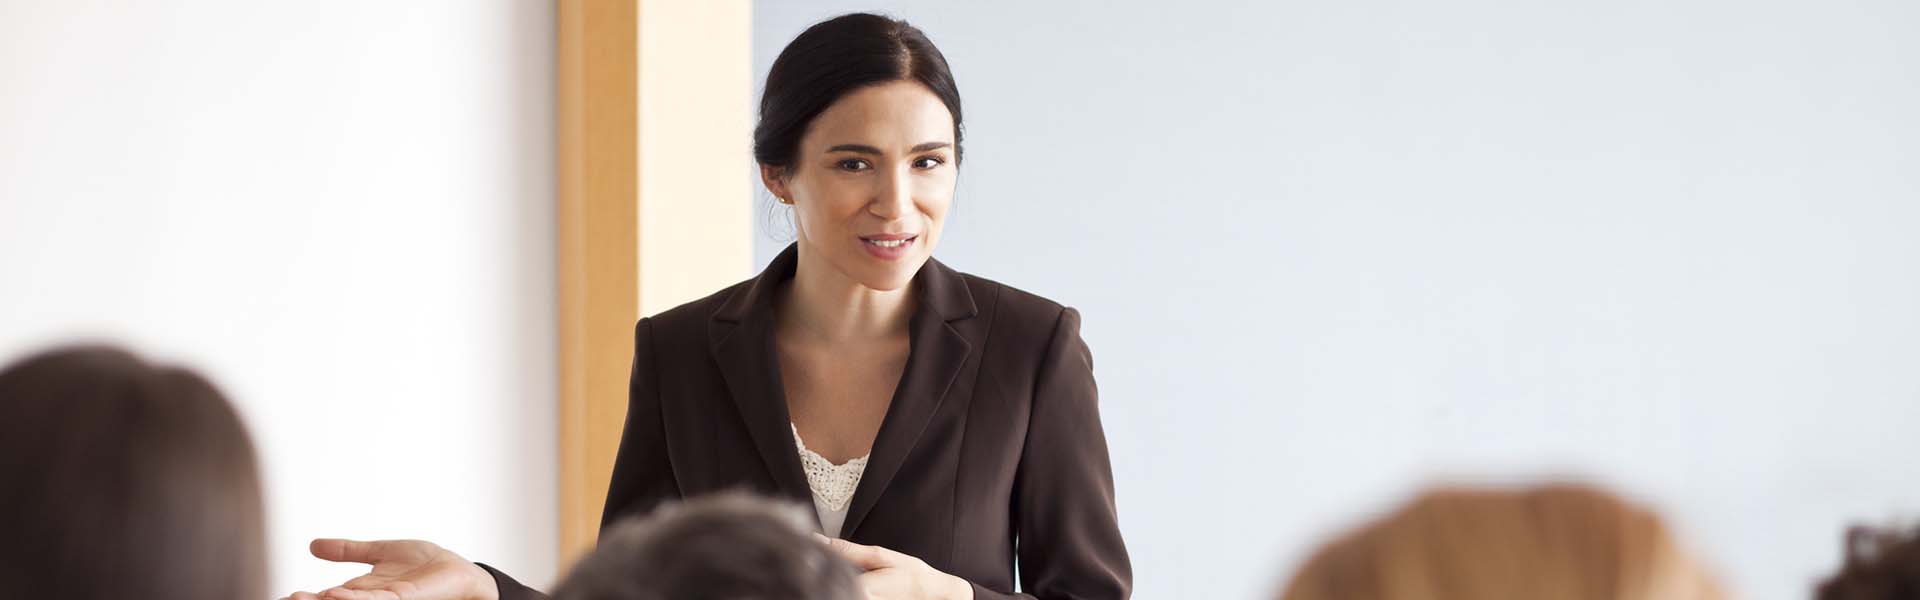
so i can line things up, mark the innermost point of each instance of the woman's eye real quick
(853, 164)
(927, 162)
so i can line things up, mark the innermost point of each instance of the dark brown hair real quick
(1881, 565)
(835, 57)
(723, 547)
(121, 479)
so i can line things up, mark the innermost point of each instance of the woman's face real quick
(872, 182)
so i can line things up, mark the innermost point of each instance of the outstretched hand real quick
(402, 570)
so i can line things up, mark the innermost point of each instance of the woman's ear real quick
(775, 178)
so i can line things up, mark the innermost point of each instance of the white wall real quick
(340, 210)
(1327, 251)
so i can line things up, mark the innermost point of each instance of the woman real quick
(931, 417)
(120, 479)
(1565, 542)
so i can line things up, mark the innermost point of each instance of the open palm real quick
(402, 570)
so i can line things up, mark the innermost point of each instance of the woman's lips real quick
(889, 246)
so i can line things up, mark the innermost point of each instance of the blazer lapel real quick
(938, 353)
(742, 344)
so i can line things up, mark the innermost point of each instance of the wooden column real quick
(654, 170)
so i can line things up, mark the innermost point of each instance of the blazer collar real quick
(741, 338)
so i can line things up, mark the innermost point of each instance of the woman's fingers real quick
(342, 593)
(370, 582)
(867, 558)
(338, 550)
(394, 562)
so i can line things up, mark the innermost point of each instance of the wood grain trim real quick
(654, 188)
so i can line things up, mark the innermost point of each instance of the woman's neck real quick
(825, 305)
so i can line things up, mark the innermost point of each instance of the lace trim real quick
(832, 484)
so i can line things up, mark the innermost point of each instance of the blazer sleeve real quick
(1068, 529)
(642, 475)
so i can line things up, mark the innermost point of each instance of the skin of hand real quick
(889, 575)
(402, 570)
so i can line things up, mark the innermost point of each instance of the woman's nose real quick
(894, 198)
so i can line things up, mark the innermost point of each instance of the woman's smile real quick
(892, 246)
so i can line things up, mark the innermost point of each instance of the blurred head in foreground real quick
(1880, 565)
(722, 547)
(124, 479)
(1566, 542)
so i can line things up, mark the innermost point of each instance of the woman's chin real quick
(888, 283)
(892, 275)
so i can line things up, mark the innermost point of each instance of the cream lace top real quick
(832, 484)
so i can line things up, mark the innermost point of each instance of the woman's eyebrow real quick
(865, 149)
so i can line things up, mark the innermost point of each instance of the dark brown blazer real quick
(993, 436)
